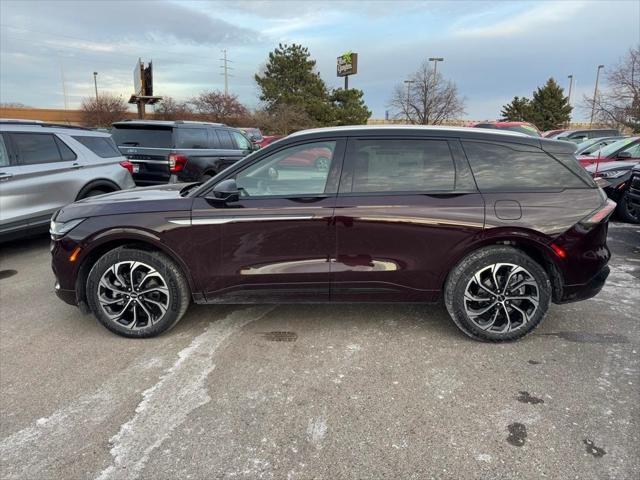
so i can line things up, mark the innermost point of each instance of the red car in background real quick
(520, 127)
(551, 133)
(319, 157)
(627, 149)
(256, 137)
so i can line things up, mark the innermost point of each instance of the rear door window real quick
(225, 140)
(499, 167)
(195, 138)
(242, 141)
(143, 137)
(102, 146)
(4, 155)
(65, 152)
(401, 166)
(35, 148)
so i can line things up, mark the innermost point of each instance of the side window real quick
(4, 155)
(191, 138)
(214, 142)
(242, 141)
(35, 148)
(402, 166)
(633, 151)
(66, 153)
(500, 167)
(298, 170)
(225, 140)
(102, 146)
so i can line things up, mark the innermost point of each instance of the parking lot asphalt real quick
(317, 391)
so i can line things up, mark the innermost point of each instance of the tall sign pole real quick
(595, 95)
(346, 65)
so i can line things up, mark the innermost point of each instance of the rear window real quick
(402, 166)
(102, 146)
(500, 167)
(191, 138)
(143, 137)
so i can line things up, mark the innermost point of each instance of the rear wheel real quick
(137, 293)
(93, 193)
(626, 210)
(497, 294)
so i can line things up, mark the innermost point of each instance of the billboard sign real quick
(347, 64)
(137, 78)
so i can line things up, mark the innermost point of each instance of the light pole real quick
(95, 83)
(408, 82)
(435, 61)
(570, 77)
(595, 95)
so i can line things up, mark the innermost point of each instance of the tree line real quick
(293, 97)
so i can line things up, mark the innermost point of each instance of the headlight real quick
(612, 173)
(58, 229)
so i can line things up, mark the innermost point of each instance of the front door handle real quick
(76, 166)
(5, 176)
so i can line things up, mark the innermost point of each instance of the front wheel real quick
(137, 293)
(497, 294)
(626, 210)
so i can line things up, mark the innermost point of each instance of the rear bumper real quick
(576, 293)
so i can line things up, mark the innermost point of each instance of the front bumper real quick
(576, 293)
(67, 296)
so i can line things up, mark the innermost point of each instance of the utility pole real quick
(408, 82)
(95, 84)
(435, 61)
(225, 71)
(595, 95)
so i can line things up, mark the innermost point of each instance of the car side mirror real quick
(226, 191)
(624, 155)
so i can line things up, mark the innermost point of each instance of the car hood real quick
(137, 200)
(606, 166)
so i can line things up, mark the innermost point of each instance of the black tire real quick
(461, 278)
(174, 302)
(626, 211)
(93, 193)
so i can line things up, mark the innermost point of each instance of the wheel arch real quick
(137, 240)
(529, 242)
(98, 184)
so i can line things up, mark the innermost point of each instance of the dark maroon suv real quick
(498, 224)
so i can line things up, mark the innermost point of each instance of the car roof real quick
(19, 125)
(166, 123)
(421, 131)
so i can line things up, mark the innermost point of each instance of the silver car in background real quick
(44, 167)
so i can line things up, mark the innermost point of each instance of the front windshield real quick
(613, 147)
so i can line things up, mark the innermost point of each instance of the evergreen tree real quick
(550, 107)
(290, 78)
(349, 107)
(519, 110)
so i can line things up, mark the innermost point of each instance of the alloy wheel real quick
(133, 294)
(501, 298)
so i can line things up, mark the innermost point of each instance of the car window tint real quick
(633, 151)
(102, 146)
(500, 167)
(214, 141)
(65, 152)
(191, 138)
(298, 170)
(225, 140)
(151, 137)
(242, 141)
(4, 155)
(34, 148)
(402, 166)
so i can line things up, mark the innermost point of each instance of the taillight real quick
(601, 214)
(128, 165)
(177, 162)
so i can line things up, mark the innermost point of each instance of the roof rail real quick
(39, 123)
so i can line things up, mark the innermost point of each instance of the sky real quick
(492, 50)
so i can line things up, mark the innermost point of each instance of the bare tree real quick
(103, 111)
(619, 102)
(428, 99)
(171, 109)
(215, 106)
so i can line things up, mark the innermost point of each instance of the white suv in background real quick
(44, 167)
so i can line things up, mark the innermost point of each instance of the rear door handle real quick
(5, 176)
(76, 166)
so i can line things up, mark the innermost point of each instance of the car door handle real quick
(77, 166)
(5, 176)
